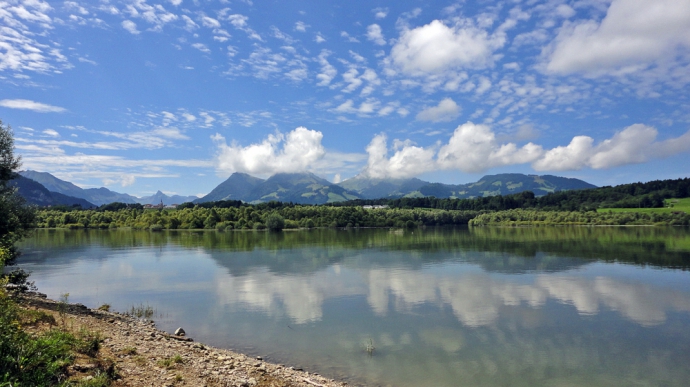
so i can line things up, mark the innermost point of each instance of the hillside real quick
(237, 187)
(505, 184)
(368, 188)
(97, 196)
(304, 188)
(35, 193)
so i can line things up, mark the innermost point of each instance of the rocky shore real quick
(142, 355)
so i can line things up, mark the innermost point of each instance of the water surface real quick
(569, 306)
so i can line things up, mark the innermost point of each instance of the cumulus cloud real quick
(26, 104)
(407, 159)
(472, 148)
(375, 35)
(295, 151)
(632, 35)
(447, 110)
(436, 47)
(633, 145)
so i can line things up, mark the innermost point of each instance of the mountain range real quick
(44, 189)
(99, 196)
(308, 188)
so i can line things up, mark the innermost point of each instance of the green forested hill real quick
(505, 184)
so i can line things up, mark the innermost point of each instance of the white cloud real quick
(328, 72)
(352, 79)
(295, 151)
(446, 110)
(319, 38)
(474, 148)
(190, 25)
(407, 160)
(201, 47)
(633, 145)
(26, 104)
(375, 35)
(301, 26)
(210, 22)
(124, 180)
(51, 133)
(348, 37)
(633, 35)
(365, 108)
(435, 48)
(380, 13)
(130, 26)
(240, 22)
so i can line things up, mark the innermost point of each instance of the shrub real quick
(275, 222)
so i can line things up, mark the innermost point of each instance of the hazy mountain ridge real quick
(505, 184)
(98, 196)
(159, 197)
(307, 188)
(489, 185)
(35, 193)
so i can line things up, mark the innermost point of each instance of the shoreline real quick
(142, 353)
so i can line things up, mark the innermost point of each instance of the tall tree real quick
(16, 218)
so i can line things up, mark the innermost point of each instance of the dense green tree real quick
(275, 222)
(16, 218)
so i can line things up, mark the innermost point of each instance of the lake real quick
(567, 306)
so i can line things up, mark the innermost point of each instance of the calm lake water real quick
(575, 306)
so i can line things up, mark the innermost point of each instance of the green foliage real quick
(16, 218)
(26, 360)
(253, 217)
(275, 222)
(170, 362)
(534, 217)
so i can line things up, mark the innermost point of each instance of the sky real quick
(176, 95)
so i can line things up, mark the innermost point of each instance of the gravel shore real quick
(145, 356)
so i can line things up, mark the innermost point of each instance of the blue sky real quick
(142, 95)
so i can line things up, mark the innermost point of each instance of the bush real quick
(275, 222)
(31, 361)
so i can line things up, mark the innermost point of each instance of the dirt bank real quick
(145, 356)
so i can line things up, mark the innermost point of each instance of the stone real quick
(179, 332)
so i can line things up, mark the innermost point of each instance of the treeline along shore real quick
(576, 207)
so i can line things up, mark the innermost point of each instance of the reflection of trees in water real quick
(510, 250)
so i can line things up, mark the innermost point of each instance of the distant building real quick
(375, 207)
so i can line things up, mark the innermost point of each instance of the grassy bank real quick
(671, 206)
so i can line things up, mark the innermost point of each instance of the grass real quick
(170, 362)
(672, 205)
(42, 358)
(30, 317)
(141, 311)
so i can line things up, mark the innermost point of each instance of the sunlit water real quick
(468, 307)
